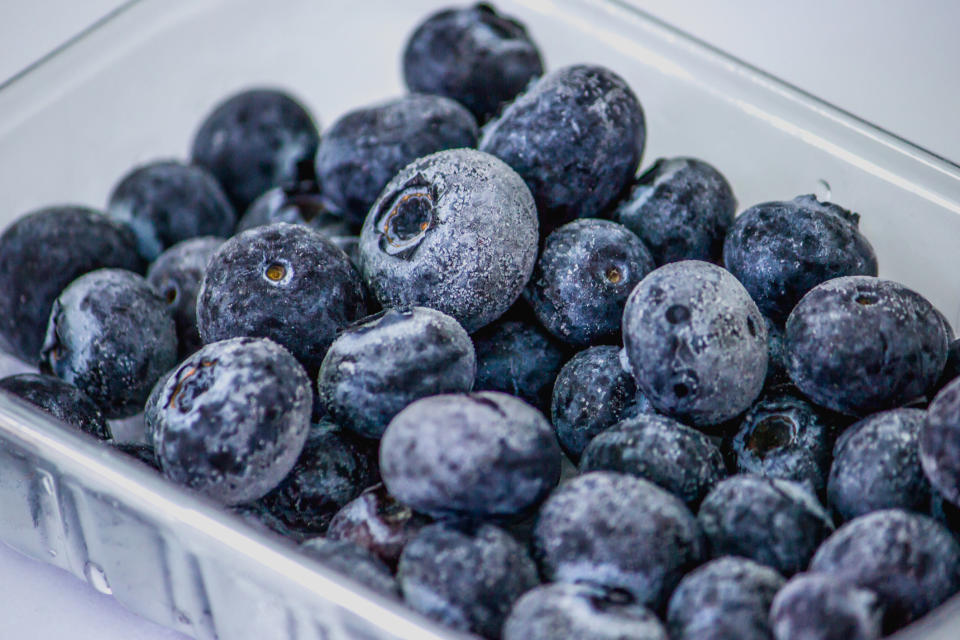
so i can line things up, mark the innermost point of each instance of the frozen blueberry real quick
(725, 599)
(774, 522)
(43, 252)
(260, 518)
(659, 449)
(455, 231)
(354, 562)
(61, 400)
(583, 276)
(253, 141)
(781, 250)
(381, 364)
(859, 344)
(695, 342)
(823, 607)
(284, 282)
(619, 532)
(478, 455)
(784, 436)
(332, 470)
(911, 561)
(951, 369)
(575, 136)
(581, 611)
(232, 419)
(111, 336)
(378, 522)
(177, 275)
(681, 209)
(365, 148)
(777, 361)
(168, 202)
(141, 452)
(876, 465)
(518, 358)
(474, 55)
(466, 578)
(940, 442)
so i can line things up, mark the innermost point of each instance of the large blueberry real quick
(478, 455)
(177, 275)
(725, 599)
(583, 276)
(775, 522)
(940, 442)
(911, 561)
(354, 562)
(695, 342)
(575, 136)
(43, 252)
(620, 532)
(168, 202)
(467, 578)
(253, 141)
(476, 56)
(860, 344)
(380, 365)
(581, 611)
(284, 282)
(365, 148)
(61, 400)
(455, 231)
(232, 419)
(110, 335)
(825, 607)
(681, 209)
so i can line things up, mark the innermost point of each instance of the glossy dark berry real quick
(354, 562)
(381, 364)
(44, 251)
(61, 400)
(681, 209)
(695, 342)
(940, 442)
(253, 141)
(858, 345)
(825, 607)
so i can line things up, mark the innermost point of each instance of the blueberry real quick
(580, 611)
(659, 449)
(876, 465)
(518, 358)
(331, 471)
(619, 532)
(727, 598)
(232, 419)
(142, 452)
(381, 364)
(61, 400)
(168, 202)
(695, 342)
(478, 455)
(474, 55)
(583, 276)
(784, 436)
(366, 147)
(911, 561)
(111, 336)
(774, 522)
(378, 522)
(176, 274)
(455, 231)
(260, 518)
(777, 361)
(43, 252)
(354, 562)
(951, 369)
(255, 140)
(681, 209)
(575, 136)
(467, 578)
(825, 607)
(858, 345)
(284, 282)
(940, 442)
(781, 250)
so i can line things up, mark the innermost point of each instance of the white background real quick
(893, 63)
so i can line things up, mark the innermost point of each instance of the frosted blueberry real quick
(61, 400)
(825, 607)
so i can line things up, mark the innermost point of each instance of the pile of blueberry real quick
(458, 349)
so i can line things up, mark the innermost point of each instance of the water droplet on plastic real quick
(97, 578)
(46, 483)
(52, 552)
(822, 192)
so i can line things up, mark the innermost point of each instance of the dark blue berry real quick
(61, 400)
(354, 562)
(777, 361)
(825, 607)
(940, 442)
(139, 451)
(951, 369)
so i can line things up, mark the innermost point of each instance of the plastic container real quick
(133, 89)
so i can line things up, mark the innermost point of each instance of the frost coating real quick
(826, 607)
(940, 442)
(61, 400)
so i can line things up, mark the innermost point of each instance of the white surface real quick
(892, 63)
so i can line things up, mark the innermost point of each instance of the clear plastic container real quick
(133, 89)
